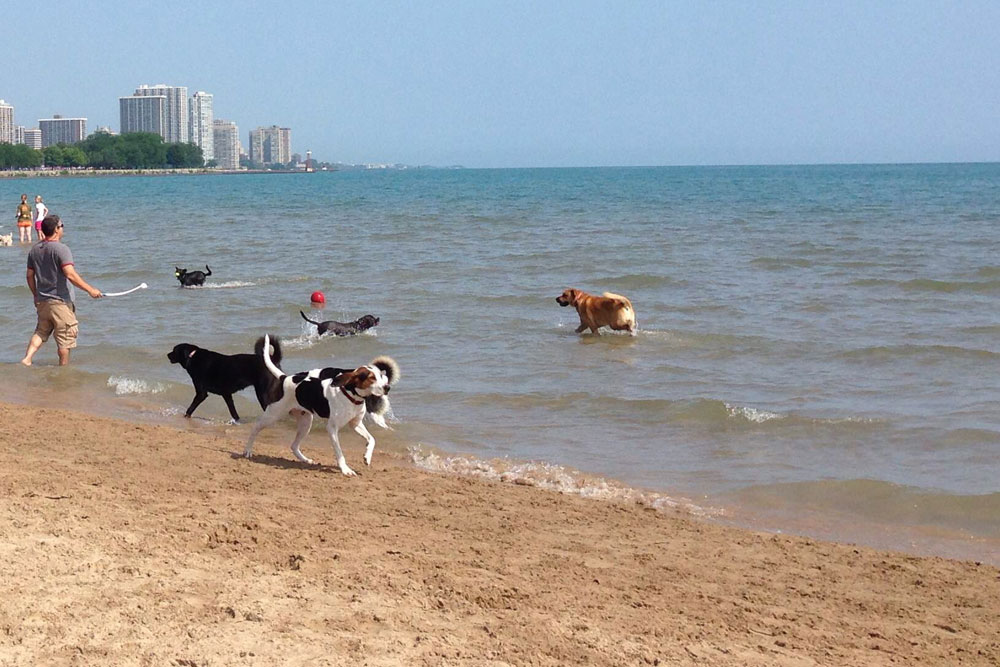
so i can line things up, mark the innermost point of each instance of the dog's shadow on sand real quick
(287, 464)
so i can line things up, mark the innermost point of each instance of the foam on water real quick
(125, 386)
(226, 285)
(553, 478)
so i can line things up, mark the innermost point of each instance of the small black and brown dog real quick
(191, 278)
(226, 374)
(344, 328)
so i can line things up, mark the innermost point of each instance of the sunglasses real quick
(60, 226)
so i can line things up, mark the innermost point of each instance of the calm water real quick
(818, 347)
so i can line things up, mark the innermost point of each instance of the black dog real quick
(226, 374)
(344, 328)
(191, 278)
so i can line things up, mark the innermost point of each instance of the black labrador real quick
(191, 278)
(344, 328)
(226, 374)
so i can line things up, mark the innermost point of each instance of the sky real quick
(538, 83)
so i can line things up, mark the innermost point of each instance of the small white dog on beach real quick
(7, 240)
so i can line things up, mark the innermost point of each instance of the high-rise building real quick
(226, 144)
(202, 130)
(33, 138)
(142, 114)
(175, 111)
(6, 123)
(271, 145)
(18, 134)
(59, 130)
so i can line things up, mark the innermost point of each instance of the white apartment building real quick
(175, 111)
(271, 145)
(226, 144)
(59, 130)
(6, 123)
(33, 138)
(141, 113)
(200, 125)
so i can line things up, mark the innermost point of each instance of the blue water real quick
(817, 347)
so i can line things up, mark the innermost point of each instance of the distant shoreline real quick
(84, 173)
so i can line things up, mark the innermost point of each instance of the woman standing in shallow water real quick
(24, 219)
(41, 210)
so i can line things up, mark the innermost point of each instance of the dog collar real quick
(344, 392)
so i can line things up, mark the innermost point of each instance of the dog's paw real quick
(346, 469)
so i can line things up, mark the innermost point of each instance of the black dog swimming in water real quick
(192, 278)
(226, 374)
(344, 328)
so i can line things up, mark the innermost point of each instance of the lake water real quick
(817, 349)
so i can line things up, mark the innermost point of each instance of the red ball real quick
(317, 297)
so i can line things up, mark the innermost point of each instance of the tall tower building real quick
(59, 130)
(175, 111)
(202, 130)
(6, 123)
(18, 134)
(226, 140)
(271, 145)
(142, 114)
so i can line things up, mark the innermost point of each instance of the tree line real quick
(135, 150)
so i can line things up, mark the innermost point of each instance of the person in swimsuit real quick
(24, 219)
(41, 210)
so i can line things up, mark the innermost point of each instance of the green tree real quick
(52, 156)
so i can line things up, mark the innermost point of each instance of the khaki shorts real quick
(57, 317)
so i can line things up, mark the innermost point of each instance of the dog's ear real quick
(359, 378)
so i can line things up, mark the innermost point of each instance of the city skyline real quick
(166, 111)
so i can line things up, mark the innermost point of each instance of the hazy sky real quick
(508, 83)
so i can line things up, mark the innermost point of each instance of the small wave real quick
(226, 285)
(553, 478)
(932, 285)
(929, 352)
(125, 386)
(781, 263)
(752, 414)
(635, 281)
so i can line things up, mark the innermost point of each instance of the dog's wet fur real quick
(191, 278)
(343, 328)
(226, 374)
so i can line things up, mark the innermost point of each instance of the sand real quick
(137, 544)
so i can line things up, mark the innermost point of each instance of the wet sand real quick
(136, 544)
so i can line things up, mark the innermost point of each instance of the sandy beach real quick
(136, 544)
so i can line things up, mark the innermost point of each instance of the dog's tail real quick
(388, 366)
(307, 319)
(276, 355)
(208, 271)
(265, 352)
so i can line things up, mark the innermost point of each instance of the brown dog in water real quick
(609, 310)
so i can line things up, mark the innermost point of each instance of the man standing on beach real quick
(51, 277)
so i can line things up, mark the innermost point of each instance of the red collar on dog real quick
(344, 392)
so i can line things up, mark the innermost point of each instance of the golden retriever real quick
(608, 310)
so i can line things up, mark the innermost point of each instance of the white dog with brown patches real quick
(340, 395)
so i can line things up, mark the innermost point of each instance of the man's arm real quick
(30, 277)
(74, 277)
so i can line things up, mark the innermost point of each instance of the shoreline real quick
(128, 543)
(93, 173)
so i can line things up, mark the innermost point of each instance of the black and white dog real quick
(191, 278)
(342, 396)
(363, 323)
(226, 374)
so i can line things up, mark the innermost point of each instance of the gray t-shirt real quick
(48, 258)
